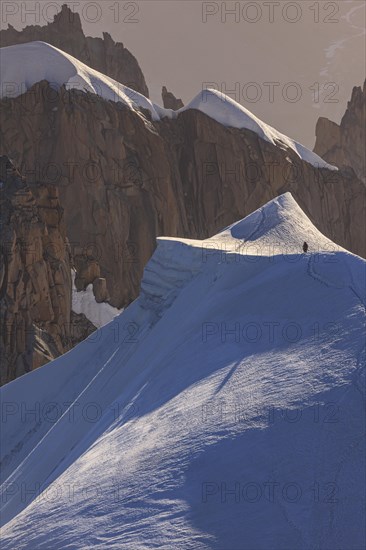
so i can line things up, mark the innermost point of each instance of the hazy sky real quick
(287, 62)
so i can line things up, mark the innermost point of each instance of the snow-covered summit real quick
(274, 233)
(228, 112)
(226, 404)
(278, 227)
(23, 65)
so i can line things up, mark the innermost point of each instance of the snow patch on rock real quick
(84, 302)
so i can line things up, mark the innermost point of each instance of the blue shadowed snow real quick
(223, 409)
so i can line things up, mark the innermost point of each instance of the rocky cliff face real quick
(66, 33)
(36, 320)
(35, 295)
(344, 145)
(123, 180)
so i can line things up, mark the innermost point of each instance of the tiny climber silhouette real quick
(305, 247)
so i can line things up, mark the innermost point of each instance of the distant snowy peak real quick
(229, 113)
(23, 65)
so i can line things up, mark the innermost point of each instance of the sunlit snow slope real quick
(223, 409)
(23, 65)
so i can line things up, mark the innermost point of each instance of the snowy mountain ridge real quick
(192, 385)
(23, 65)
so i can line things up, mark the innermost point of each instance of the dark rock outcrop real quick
(170, 101)
(100, 290)
(344, 145)
(81, 328)
(102, 54)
